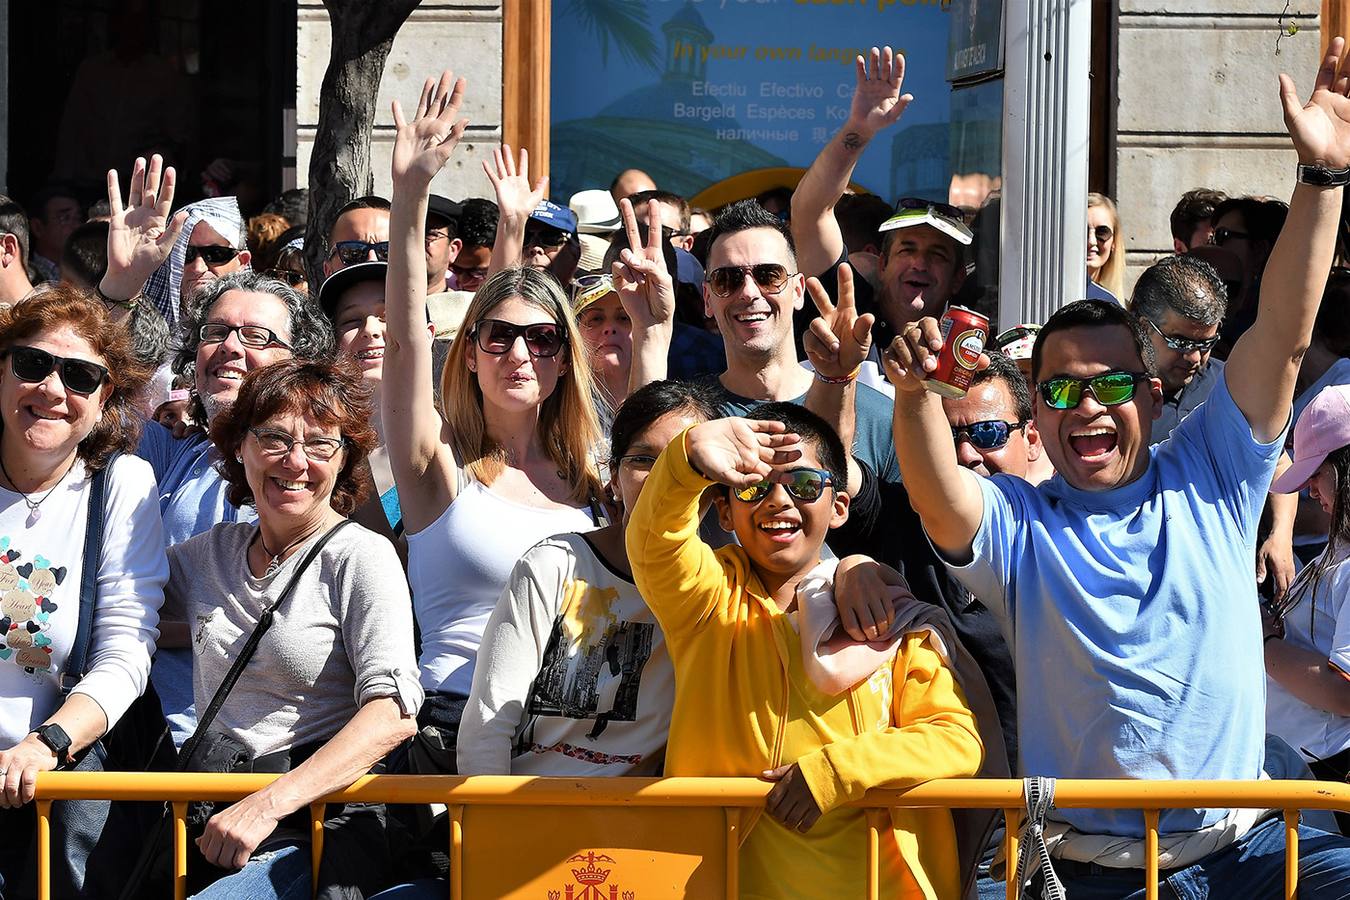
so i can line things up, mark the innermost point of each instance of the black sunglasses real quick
(542, 339)
(213, 255)
(290, 276)
(1100, 233)
(80, 376)
(770, 278)
(545, 237)
(1221, 236)
(804, 484)
(353, 252)
(990, 434)
(1110, 389)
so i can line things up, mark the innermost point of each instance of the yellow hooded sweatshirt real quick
(743, 704)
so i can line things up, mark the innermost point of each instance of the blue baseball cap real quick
(555, 216)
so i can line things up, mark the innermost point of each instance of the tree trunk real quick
(339, 167)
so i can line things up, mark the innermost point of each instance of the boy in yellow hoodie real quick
(743, 703)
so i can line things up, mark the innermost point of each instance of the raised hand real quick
(838, 341)
(423, 146)
(1320, 128)
(877, 101)
(740, 452)
(515, 198)
(140, 234)
(641, 278)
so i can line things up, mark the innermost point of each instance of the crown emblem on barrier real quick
(591, 879)
(591, 874)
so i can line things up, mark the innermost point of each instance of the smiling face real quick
(515, 381)
(922, 267)
(754, 325)
(45, 417)
(290, 485)
(781, 534)
(359, 324)
(608, 333)
(992, 401)
(627, 478)
(1176, 368)
(1098, 252)
(1096, 447)
(221, 366)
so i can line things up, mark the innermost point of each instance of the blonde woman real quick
(1105, 246)
(506, 462)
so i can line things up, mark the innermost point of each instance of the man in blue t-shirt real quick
(1126, 580)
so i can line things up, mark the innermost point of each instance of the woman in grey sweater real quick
(333, 686)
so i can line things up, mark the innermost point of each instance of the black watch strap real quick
(56, 739)
(1322, 176)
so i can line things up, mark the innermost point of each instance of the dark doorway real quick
(95, 83)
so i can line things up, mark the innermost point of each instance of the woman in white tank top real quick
(505, 463)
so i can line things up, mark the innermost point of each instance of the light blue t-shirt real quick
(192, 499)
(1137, 636)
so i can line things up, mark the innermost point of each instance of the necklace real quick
(274, 560)
(34, 513)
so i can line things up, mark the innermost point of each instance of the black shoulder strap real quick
(237, 668)
(93, 549)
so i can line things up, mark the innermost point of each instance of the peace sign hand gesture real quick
(515, 199)
(877, 101)
(1321, 128)
(838, 341)
(140, 234)
(641, 278)
(423, 146)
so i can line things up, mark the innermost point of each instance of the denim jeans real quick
(280, 873)
(1251, 867)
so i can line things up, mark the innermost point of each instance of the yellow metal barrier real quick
(575, 826)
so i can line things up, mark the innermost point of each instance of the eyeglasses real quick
(1110, 389)
(439, 234)
(213, 255)
(1100, 234)
(1180, 344)
(1221, 236)
(279, 443)
(80, 376)
(804, 484)
(353, 252)
(643, 462)
(770, 278)
(542, 339)
(987, 435)
(589, 288)
(945, 209)
(545, 237)
(254, 336)
(290, 276)
(465, 274)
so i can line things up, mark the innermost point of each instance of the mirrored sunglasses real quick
(1110, 389)
(990, 434)
(804, 484)
(353, 252)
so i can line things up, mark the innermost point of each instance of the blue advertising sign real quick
(694, 91)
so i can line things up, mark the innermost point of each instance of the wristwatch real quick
(56, 739)
(1321, 176)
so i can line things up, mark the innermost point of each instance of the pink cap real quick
(1323, 428)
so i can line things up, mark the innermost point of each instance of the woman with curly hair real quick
(68, 385)
(332, 687)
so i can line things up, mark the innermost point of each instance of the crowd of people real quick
(624, 488)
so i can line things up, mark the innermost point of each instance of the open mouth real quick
(780, 530)
(43, 416)
(228, 373)
(290, 487)
(1093, 443)
(751, 318)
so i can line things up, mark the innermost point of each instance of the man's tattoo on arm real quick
(853, 142)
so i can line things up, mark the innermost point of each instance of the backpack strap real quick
(93, 549)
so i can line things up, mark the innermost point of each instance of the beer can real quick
(964, 333)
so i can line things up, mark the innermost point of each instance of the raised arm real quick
(877, 104)
(836, 344)
(945, 495)
(419, 454)
(515, 202)
(647, 293)
(140, 233)
(1265, 360)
